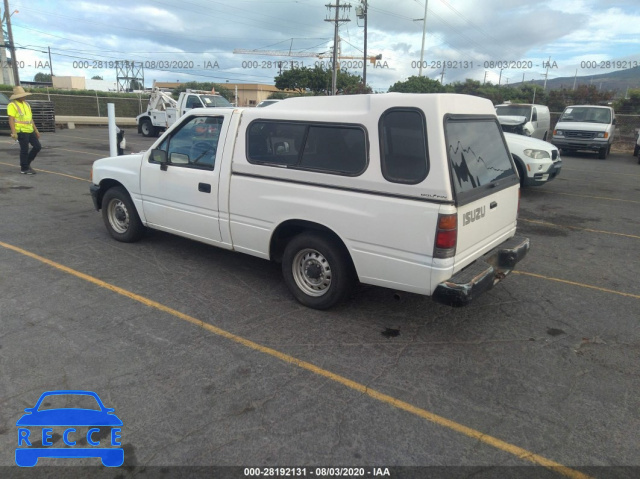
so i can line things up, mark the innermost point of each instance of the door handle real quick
(492, 205)
(204, 187)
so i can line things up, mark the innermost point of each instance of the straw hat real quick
(18, 92)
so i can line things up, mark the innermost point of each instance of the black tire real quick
(146, 128)
(317, 270)
(603, 152)
(120, 216)
(520, 173)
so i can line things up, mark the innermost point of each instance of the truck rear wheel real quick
(120, 216)
(147, 128)
(317, 270)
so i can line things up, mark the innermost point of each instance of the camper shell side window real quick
(404, 153)
(339, 149)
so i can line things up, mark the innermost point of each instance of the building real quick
(69, 83)
(248, 94)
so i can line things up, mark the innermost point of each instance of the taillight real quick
(446, 236)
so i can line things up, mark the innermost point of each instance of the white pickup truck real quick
(163, 110)
(411, 192)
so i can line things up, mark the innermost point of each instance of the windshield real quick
(214, 101)
(3, 99)
(514, 110)
(586, 114)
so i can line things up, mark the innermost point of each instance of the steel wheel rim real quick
(118, 216)
(311, 272)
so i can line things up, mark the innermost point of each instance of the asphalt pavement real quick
(209, 361)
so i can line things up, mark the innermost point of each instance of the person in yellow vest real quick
(23, 129)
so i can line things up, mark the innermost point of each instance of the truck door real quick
(179, 179)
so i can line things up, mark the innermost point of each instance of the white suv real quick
(538, 161)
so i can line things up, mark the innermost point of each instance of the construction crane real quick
(279, 53)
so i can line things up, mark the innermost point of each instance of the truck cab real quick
(163, 110)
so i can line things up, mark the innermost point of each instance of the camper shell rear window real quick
(479, 158)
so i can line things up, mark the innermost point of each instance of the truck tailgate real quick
(484, 223)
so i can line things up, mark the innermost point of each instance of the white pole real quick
(424, 32)
(113, 140)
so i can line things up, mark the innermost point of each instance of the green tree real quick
(97, 77)
(417, 84)
(42, 77)
(317, 80)
(300, 80)
(629, 105)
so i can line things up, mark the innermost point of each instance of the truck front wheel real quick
(317, 270)
(604, 152)
(147, 128)
(120, 216)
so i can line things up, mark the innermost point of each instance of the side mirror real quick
(614, 121)
(158, 156)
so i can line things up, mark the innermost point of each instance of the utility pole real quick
(544, 88)
(362, 13)
(337, 20)
(6, 80)
(575, 78)
(50, 64)
(424, 33)
(14, 62)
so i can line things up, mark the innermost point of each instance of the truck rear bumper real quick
(482, 274)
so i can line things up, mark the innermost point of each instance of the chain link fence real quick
(87, 105)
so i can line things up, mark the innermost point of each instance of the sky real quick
(502, 41)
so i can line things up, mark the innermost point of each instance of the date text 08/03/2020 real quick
(316, 471)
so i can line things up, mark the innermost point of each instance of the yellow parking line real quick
(361, 388)
(574, 283)
(545, 223)
(47, 171)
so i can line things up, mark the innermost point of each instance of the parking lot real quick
(209, 361)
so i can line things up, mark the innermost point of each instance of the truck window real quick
(275, 143)
(335, 149)
(403, 146)
(215, 101)
(477, 153)
(193, 144)
(193, 102)
(514, 110)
